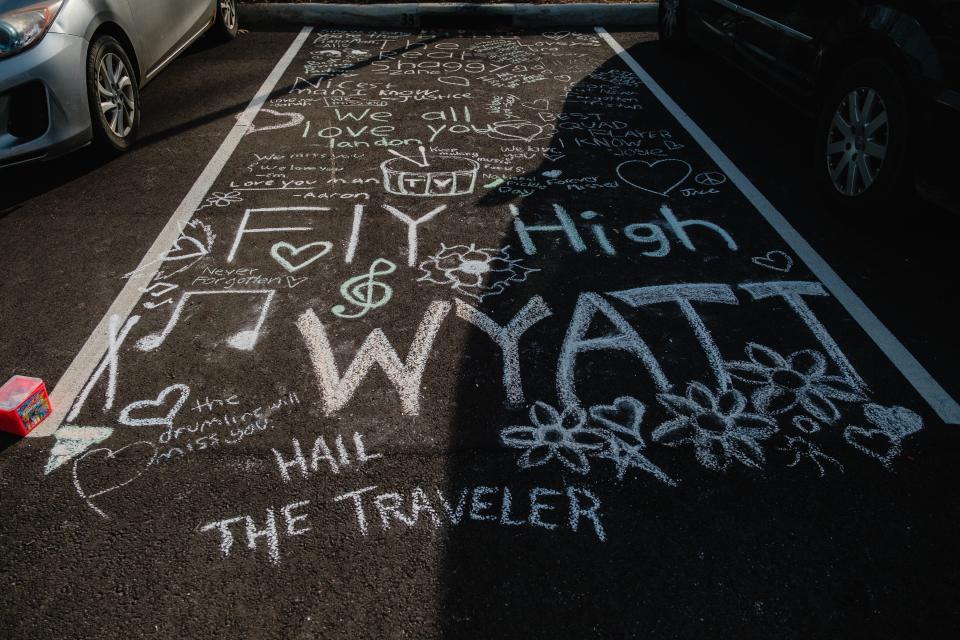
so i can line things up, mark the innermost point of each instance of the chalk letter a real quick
(376, 348)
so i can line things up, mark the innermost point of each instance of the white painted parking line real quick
(96, 347)
(932, 392)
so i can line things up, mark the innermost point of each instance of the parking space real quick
(472, 334)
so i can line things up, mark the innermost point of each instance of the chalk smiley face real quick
(281, 250)
(172, 397)
(658, 177)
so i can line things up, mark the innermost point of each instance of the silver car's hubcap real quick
(857, 141)
(670, 14)
(228, 12)
(115, 89)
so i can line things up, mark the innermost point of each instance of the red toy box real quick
(23, 404)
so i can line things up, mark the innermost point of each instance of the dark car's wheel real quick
(863, 138)
(114, 96)
(227, 25)
(671, 25)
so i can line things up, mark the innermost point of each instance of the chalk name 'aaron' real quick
(337, 390)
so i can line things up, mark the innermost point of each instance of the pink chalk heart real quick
(659, 177)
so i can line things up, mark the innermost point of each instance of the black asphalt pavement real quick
(468, 336)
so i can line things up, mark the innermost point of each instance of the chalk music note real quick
(365, 292)
(243, 340)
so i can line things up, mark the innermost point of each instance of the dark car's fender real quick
(883, 31)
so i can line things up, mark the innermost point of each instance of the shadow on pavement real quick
(735, 554)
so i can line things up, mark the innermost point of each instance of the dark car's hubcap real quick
(115, 90)
(669, 16)
(857, 141)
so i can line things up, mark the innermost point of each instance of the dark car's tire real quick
(863, 142)
(672, 25)
(226, 26)
(113, 93)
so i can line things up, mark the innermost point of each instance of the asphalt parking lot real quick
(390, 334)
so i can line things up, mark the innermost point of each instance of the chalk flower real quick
(472, 271)
(800, 379)
(717, 426)
(554, 435)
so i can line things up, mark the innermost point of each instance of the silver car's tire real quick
(113, 92)
(227, 25)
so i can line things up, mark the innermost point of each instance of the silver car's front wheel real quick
(115, 89)
(857, 141)
(114, 95)
(228, 13)
(226, 26)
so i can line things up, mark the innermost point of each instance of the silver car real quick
(71, 70)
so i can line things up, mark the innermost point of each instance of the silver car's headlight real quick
(25, 26)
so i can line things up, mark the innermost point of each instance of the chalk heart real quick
(185, 248)
(156, 412)
(282, 250)
(556, 35)
(553, 173)
(659, 177)
(526, 131)
(624, 415)
(101, 471)
(282, 120)
(872, 442)
(775, 260)
(898, 422)
(537, 105)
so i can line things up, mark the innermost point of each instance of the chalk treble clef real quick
(365, 292)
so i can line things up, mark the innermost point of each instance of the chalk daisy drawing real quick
(800, 379)
(221, 199)
(717, 426)
(553, 436)
(474, 272)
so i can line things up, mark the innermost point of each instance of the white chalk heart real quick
(182, 392)
(537, 105)
(291, 250)
(519, 130)
(185, 248)
(292, 120)
(442, 182)
(128, 463)
(659, 177)
(776, 260)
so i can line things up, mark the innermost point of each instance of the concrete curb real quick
(415, 15)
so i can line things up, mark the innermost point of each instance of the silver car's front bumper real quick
(43, 100)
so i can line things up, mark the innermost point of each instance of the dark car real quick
(882, 78)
